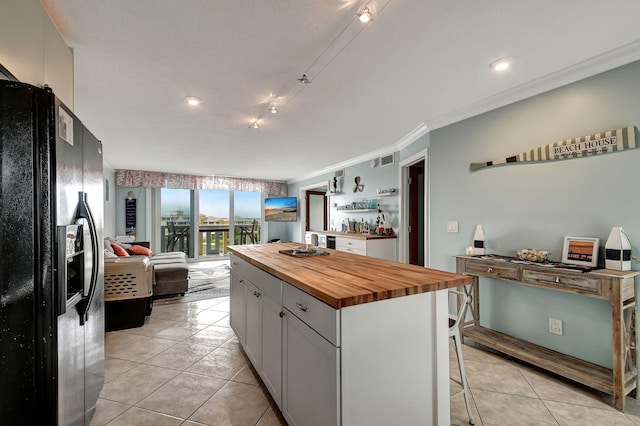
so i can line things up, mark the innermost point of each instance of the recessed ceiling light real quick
(365, 16)
(193, 100)
(500, 64)
(273, 109)
(254, 124)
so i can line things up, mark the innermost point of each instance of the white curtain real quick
(145, 179)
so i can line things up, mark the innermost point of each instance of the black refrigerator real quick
(51, 270)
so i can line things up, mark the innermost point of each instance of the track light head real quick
(365, 16)
(304, 79)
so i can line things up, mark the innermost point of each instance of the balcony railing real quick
(212, 239)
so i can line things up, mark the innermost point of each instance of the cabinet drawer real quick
(352, 250)
(267, 284)
(492, 271)
(237, 264)
(324, 319)
(589, 285)
(352, 243)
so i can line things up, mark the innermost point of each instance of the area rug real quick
(209, 278)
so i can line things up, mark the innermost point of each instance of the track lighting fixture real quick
(304, 79)
(338, 44)
(365, 16)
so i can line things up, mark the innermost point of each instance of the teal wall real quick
(141, 209)
(538, 204)
(109, 229)
(371, 178)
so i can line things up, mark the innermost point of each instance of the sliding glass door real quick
(247, 208)
(175, 220)
(203, 223)
(213, 223)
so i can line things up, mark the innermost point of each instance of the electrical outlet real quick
(452, 226)
(555, 326)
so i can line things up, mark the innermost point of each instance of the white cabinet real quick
(237, 304)
(253, 334)
(271, 371)
(382, 248)
(256, 307)
(311, 359)
(352, 245)
(373, 363)
(311, 368)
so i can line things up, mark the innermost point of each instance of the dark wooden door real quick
(313, 200)
(416, 214)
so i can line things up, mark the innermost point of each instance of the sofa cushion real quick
(136, 249)
(109, 254)
(119, 250)
(176, 255)
(107, 245)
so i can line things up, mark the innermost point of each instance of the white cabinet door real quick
(253, 335)
(311, 368)
(237, 305)
(272, 348)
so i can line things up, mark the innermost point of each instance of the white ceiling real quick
(420, 62)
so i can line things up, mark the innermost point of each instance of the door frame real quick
(303, 209)
(403, 234)
(324, 207)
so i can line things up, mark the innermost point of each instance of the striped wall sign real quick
(598, 143)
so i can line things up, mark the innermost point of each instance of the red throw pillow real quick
(136, 249)
(119, 250)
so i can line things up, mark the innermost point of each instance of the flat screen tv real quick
(282, 209)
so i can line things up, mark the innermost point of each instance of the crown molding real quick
(350, 162)
(411, 137)
(607, 61)
(405, 141)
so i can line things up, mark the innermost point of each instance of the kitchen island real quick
(343, 339)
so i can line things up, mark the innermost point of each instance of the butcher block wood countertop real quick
(343, 279)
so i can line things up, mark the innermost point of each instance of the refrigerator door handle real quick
(85, 213)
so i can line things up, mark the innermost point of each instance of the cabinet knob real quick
(301, 307)
(490, 271)
(281, 314)
(256, 293)
(242, 280)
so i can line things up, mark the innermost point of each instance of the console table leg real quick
(617, 321)
(633, 343)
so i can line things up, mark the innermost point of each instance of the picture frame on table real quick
(581, 251)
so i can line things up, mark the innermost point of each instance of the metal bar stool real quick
(454, 333)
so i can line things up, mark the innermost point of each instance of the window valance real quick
(145, 179)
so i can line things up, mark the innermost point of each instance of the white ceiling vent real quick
(339, 173)
(387, 160)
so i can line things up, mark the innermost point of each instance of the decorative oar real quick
(598, 143)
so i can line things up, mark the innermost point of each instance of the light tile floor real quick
(508, 392)
(185, 367)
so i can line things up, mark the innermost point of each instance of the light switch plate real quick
(555, 326)
(452, 226)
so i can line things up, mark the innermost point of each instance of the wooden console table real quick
(616, 286)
